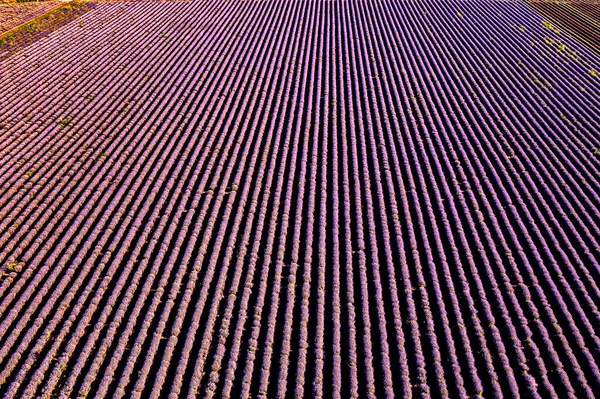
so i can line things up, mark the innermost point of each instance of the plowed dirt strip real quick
(324, 199)
(581, 20)
(12, 15)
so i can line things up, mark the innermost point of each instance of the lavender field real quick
(301, 199)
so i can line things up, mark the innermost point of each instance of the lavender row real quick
(309, 199)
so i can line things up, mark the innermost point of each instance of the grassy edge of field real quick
(38, 27)
(13, 2)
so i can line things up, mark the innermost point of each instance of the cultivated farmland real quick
(320, 199)
(11, 15)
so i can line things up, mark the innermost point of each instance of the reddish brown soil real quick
(590, 9)
(580, 19)
(12, 15)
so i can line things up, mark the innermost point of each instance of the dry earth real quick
(12, 15)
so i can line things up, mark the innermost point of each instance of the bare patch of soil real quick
(14, 14)
(580, 19)
(40, 26)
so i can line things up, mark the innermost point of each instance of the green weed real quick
(67, 122)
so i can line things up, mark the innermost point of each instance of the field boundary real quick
(580, 25)
(38, 27)
(15, 28)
